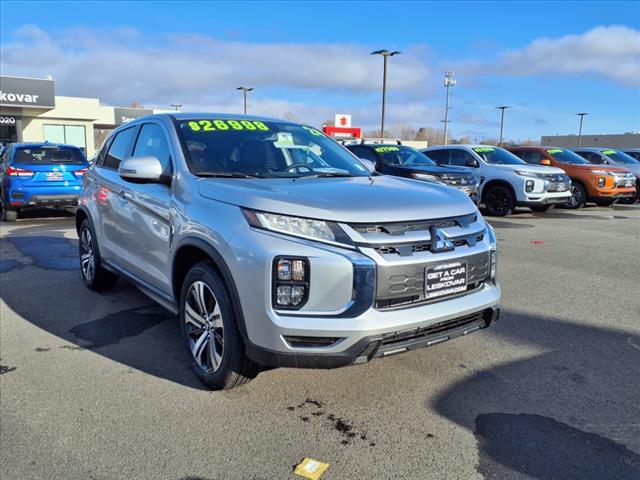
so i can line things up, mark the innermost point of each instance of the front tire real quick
(95, 277)
(499, 201)
(578, 197)
(210, 331)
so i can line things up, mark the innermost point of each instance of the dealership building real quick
(623, 140)
(30, 111)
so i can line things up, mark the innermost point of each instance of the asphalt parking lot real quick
(98, 386)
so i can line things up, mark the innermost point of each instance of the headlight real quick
(319, 230)
(524, 173)
(426, 177)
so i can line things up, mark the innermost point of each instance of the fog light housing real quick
(601, 182)
(529, 186)
(290, 282)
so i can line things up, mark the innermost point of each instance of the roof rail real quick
(397, 141)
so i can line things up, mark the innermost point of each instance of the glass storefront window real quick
(67, 134)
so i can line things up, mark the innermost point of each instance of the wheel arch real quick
(495, 183)
(191, 251)
(81, 215)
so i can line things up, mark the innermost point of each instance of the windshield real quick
(620, 157)
(567, 156)
(497, 156)
(402, 155)
(249, 148)
(52, 155)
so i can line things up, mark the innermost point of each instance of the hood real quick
(350, 200)
(635, 168)
(591, 167)
(435, 169)
(526, 167)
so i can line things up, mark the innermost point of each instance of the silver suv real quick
(276, 246)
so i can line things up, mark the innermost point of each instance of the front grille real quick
(412, 336)
(399, 228)
(556, 177)
(457, 180)
(411, 248)
(417, 300)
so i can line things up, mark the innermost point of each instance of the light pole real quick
(176, 106)
(385, 54)
(244, 94)
(502, 108)
(449, 81)
(581, 115)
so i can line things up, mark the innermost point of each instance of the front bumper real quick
(342, 309)
(549, 198)
(380, 345)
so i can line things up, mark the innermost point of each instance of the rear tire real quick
(540, 208)
(578, 197)
(95, 277)
(499, 201)
(210, 331)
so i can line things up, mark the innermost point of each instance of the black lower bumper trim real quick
(377, 346)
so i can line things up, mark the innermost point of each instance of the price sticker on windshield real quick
(609, 152)
(387, 149)
(223, 125)
(484, 149)
(554, 150)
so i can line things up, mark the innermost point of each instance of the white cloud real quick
(122, 66)
(612, 52)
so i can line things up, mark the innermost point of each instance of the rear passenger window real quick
(152, 141)
(120, 148)
(362, 152)
(531, 157)
(460, 158)
(441, 157)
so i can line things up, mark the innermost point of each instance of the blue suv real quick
(40, 175)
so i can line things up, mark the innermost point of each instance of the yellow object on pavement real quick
(311, 469)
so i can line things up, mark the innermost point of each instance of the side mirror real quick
(545, 161)
(471, 162)
(146, 169)
(368, 163)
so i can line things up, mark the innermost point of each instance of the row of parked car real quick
(503, 179)
(274, 246)
(45, 174)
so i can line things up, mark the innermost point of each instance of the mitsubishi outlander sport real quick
(276, 247)
(505, 180)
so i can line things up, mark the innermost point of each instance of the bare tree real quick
(136, 105)
(292, 117)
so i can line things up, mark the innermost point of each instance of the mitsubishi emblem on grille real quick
(440, 242)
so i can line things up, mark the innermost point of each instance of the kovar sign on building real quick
(26, 92)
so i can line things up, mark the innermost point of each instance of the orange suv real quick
(599, 184)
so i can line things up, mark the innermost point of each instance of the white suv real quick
(506, 181)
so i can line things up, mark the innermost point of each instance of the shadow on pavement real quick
(122, 325)
(570, 411)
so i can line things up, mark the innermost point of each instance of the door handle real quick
(124, 195)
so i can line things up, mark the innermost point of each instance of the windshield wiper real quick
(227, 175)
(326, 174)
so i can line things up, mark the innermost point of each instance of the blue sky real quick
(311, 59)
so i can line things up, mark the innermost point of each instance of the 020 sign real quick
(7, 120)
